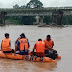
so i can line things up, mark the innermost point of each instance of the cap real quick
(6, 33)
(22, 34)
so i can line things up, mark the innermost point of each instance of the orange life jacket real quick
(19, 39)
(40, 46)
(23, 44)
(6, 45)
(48, 43)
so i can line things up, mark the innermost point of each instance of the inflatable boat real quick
(25, 57)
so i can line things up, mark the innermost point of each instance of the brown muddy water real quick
(62, 38)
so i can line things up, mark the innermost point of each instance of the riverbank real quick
(52, 25)
(15, 22)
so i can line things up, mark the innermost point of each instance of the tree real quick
(23, 6)
(34, 4)
(16, 6)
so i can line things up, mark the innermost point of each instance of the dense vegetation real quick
(29, 20)
(31, 4)
(67, 20)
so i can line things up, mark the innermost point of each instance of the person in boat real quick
(6, 44)
(23, 45)
(19, 39)
(40, 48)
(49, 43)
(49, 51)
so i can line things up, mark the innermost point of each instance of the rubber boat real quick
(26, 57)
(58, 57)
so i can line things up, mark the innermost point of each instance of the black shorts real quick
(12, 51)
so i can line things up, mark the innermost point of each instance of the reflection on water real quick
(63, 44)
(9, 65)
(46, 66)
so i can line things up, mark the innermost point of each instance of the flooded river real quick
(62, 38)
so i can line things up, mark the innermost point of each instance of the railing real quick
(35, 11)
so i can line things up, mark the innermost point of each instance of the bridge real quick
(36, 12)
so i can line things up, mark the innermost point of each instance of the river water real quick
(62, 38)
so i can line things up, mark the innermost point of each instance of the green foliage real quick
(29, 20)
(23, 6)
(16, 6)
(47, 19)
(14, 20)
(67, 20)
(25, 20)
(34, 4)
(31, 4)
